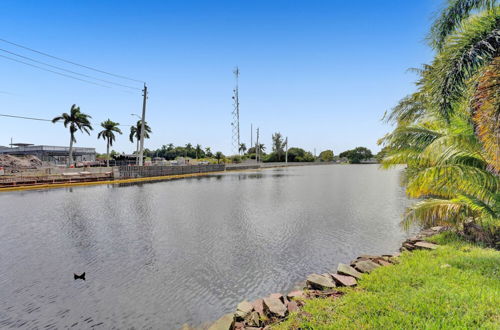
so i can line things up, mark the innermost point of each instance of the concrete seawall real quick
(126, 172)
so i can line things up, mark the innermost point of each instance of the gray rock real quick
(344, 280)
(224, 323)
(253, 319)
(344, 269)
(320, 281)
(366, 266)
(258, 306)
(426, 245)
(243, 309)
(275, 306)
(297, 294)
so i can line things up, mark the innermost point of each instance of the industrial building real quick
(51, 154)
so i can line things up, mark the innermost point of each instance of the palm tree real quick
(108, 134)
(198, 150)
(278, 144)
(448, 132)
(242, 148)
(208, 152)
(76, 120)
(135, 133)
(218, 156)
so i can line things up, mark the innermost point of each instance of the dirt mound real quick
(28, 161)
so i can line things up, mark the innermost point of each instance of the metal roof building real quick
(52, 154)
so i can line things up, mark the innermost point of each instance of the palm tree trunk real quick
(107, 153)
(70, 156)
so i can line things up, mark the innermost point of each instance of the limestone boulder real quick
(275, 306)
(366, 266)
(321, 282)
(224, 323)
(344, 269)
(344, 280)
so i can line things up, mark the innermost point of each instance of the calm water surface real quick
(160, 254)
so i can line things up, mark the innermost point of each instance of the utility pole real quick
(143, 121)
(257, 147)
(286, 151)
(236, 115)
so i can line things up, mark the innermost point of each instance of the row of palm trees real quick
(448, 131)
(76, 121)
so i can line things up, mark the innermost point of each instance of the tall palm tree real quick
(278, 144)
(135, 133)
(108, 134)
(219, 156)
(242, 148)
(198, 150)
(76, 120)
(208, 152)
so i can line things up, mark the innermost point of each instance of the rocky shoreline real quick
(264, 312)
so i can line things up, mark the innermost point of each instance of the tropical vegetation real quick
(75, 120)
(448, 131)
(326, 156)
(135, 133)
(108, 134)
(357, 155)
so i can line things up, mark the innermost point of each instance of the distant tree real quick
(76, 120)
(278, 145)
(261, 148)
(108, 134)
(242, 148)
(219, 155)
(236, 159)
(326, 156)
(208, 152)
(198, 151)
(355, 156)
(135, 133)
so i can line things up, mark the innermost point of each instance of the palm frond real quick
(451, 18)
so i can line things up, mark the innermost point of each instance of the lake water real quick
(161, 254)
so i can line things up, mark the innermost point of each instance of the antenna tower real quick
(236, 115)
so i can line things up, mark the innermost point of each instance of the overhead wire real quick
(69, 71)
(70, 62)
(59, 73)
(22, 117)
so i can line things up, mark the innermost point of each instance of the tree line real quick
(76, 121)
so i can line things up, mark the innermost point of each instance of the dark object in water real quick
(81, 277)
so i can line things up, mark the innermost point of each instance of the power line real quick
(21, 117)
(59, 73)
(70, 62)
(62, 69)
(39, 119)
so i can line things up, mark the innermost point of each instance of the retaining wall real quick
(150, 171)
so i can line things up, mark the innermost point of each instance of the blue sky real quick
(320, 72)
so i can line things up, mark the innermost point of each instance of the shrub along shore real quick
(439, 280)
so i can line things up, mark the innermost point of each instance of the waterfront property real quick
(50, 154)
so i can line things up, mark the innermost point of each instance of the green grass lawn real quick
(456, 286)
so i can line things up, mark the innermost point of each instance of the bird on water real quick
(81, 276)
